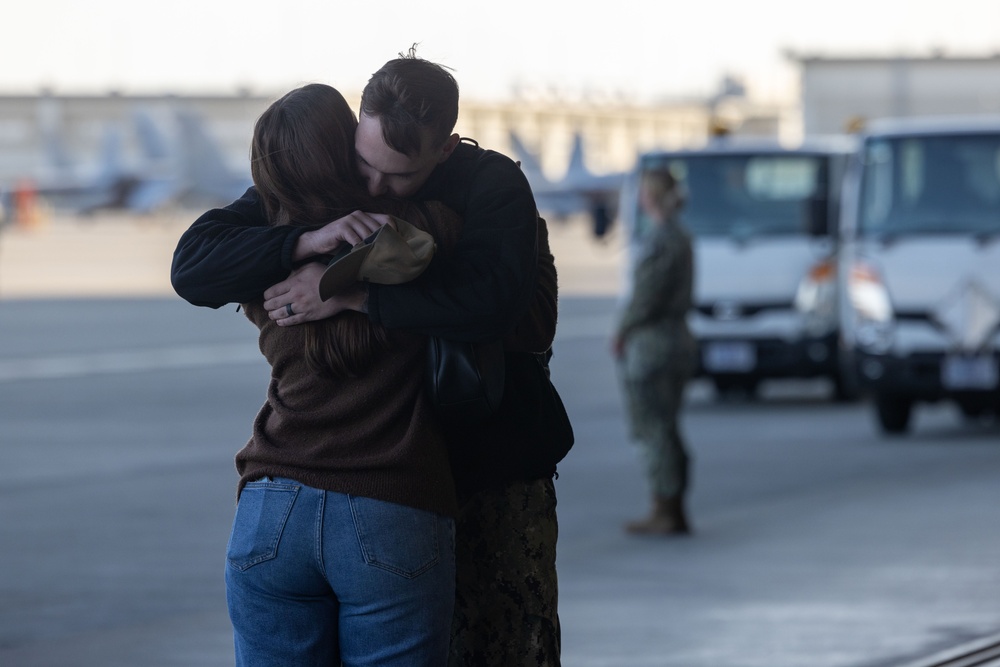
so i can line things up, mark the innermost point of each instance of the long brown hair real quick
(303, 164)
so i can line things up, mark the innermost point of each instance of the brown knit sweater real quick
(374, 436)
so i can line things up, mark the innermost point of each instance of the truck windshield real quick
(745, 195)
(931, 184)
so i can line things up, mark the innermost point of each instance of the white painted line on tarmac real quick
(58, 367)
(128, 361)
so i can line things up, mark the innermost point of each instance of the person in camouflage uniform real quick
(506, 594)
(657, 353)
(506, 531)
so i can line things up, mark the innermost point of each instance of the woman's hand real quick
(295, 300)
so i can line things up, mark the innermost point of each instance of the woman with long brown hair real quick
(342, 549)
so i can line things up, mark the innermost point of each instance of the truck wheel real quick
(893, 412)
(973, 408)
(845, 388)
(728, 387)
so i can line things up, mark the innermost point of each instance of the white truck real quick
(763, 220)
(920, 266)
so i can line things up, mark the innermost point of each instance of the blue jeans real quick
(321, 578)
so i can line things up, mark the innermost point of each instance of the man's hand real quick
(295, 300)
(351, 229)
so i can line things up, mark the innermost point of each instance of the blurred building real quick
(47, 133)
(50, 134)
(838, 91)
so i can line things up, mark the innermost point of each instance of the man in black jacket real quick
(506, 612)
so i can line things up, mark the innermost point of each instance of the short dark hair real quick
(410, 95)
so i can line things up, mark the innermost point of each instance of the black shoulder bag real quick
(529, 434)
(465, 381)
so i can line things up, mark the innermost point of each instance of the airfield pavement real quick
(122, 406)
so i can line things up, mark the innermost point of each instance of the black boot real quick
(668, 518)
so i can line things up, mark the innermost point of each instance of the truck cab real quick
(920, 265)
(762, 217)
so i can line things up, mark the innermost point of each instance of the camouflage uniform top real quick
(654, 321)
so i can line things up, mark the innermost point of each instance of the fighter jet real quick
(68, 182)
(578, 191)
(177, 162)
(208, 177)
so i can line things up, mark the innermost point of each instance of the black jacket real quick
(232, 254)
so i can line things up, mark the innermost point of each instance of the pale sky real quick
(645, 49)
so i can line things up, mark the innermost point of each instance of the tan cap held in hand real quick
(390, 256)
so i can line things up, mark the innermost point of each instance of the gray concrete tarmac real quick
(818, 542)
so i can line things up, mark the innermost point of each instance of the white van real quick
(920, 265)
(762, 217)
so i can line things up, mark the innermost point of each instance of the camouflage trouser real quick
(506, 598)
(653, 405)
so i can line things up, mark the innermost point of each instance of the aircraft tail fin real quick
(57, 155)
(153, 143)
(208, 173)
(111, 164)
(530, 164)
(577, 169)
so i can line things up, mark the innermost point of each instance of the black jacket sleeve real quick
(536, 331)
(232, 254)
(483, 287)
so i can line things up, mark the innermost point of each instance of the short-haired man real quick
(506, 606)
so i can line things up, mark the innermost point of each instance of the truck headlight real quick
(816, 298)
(873, 316)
